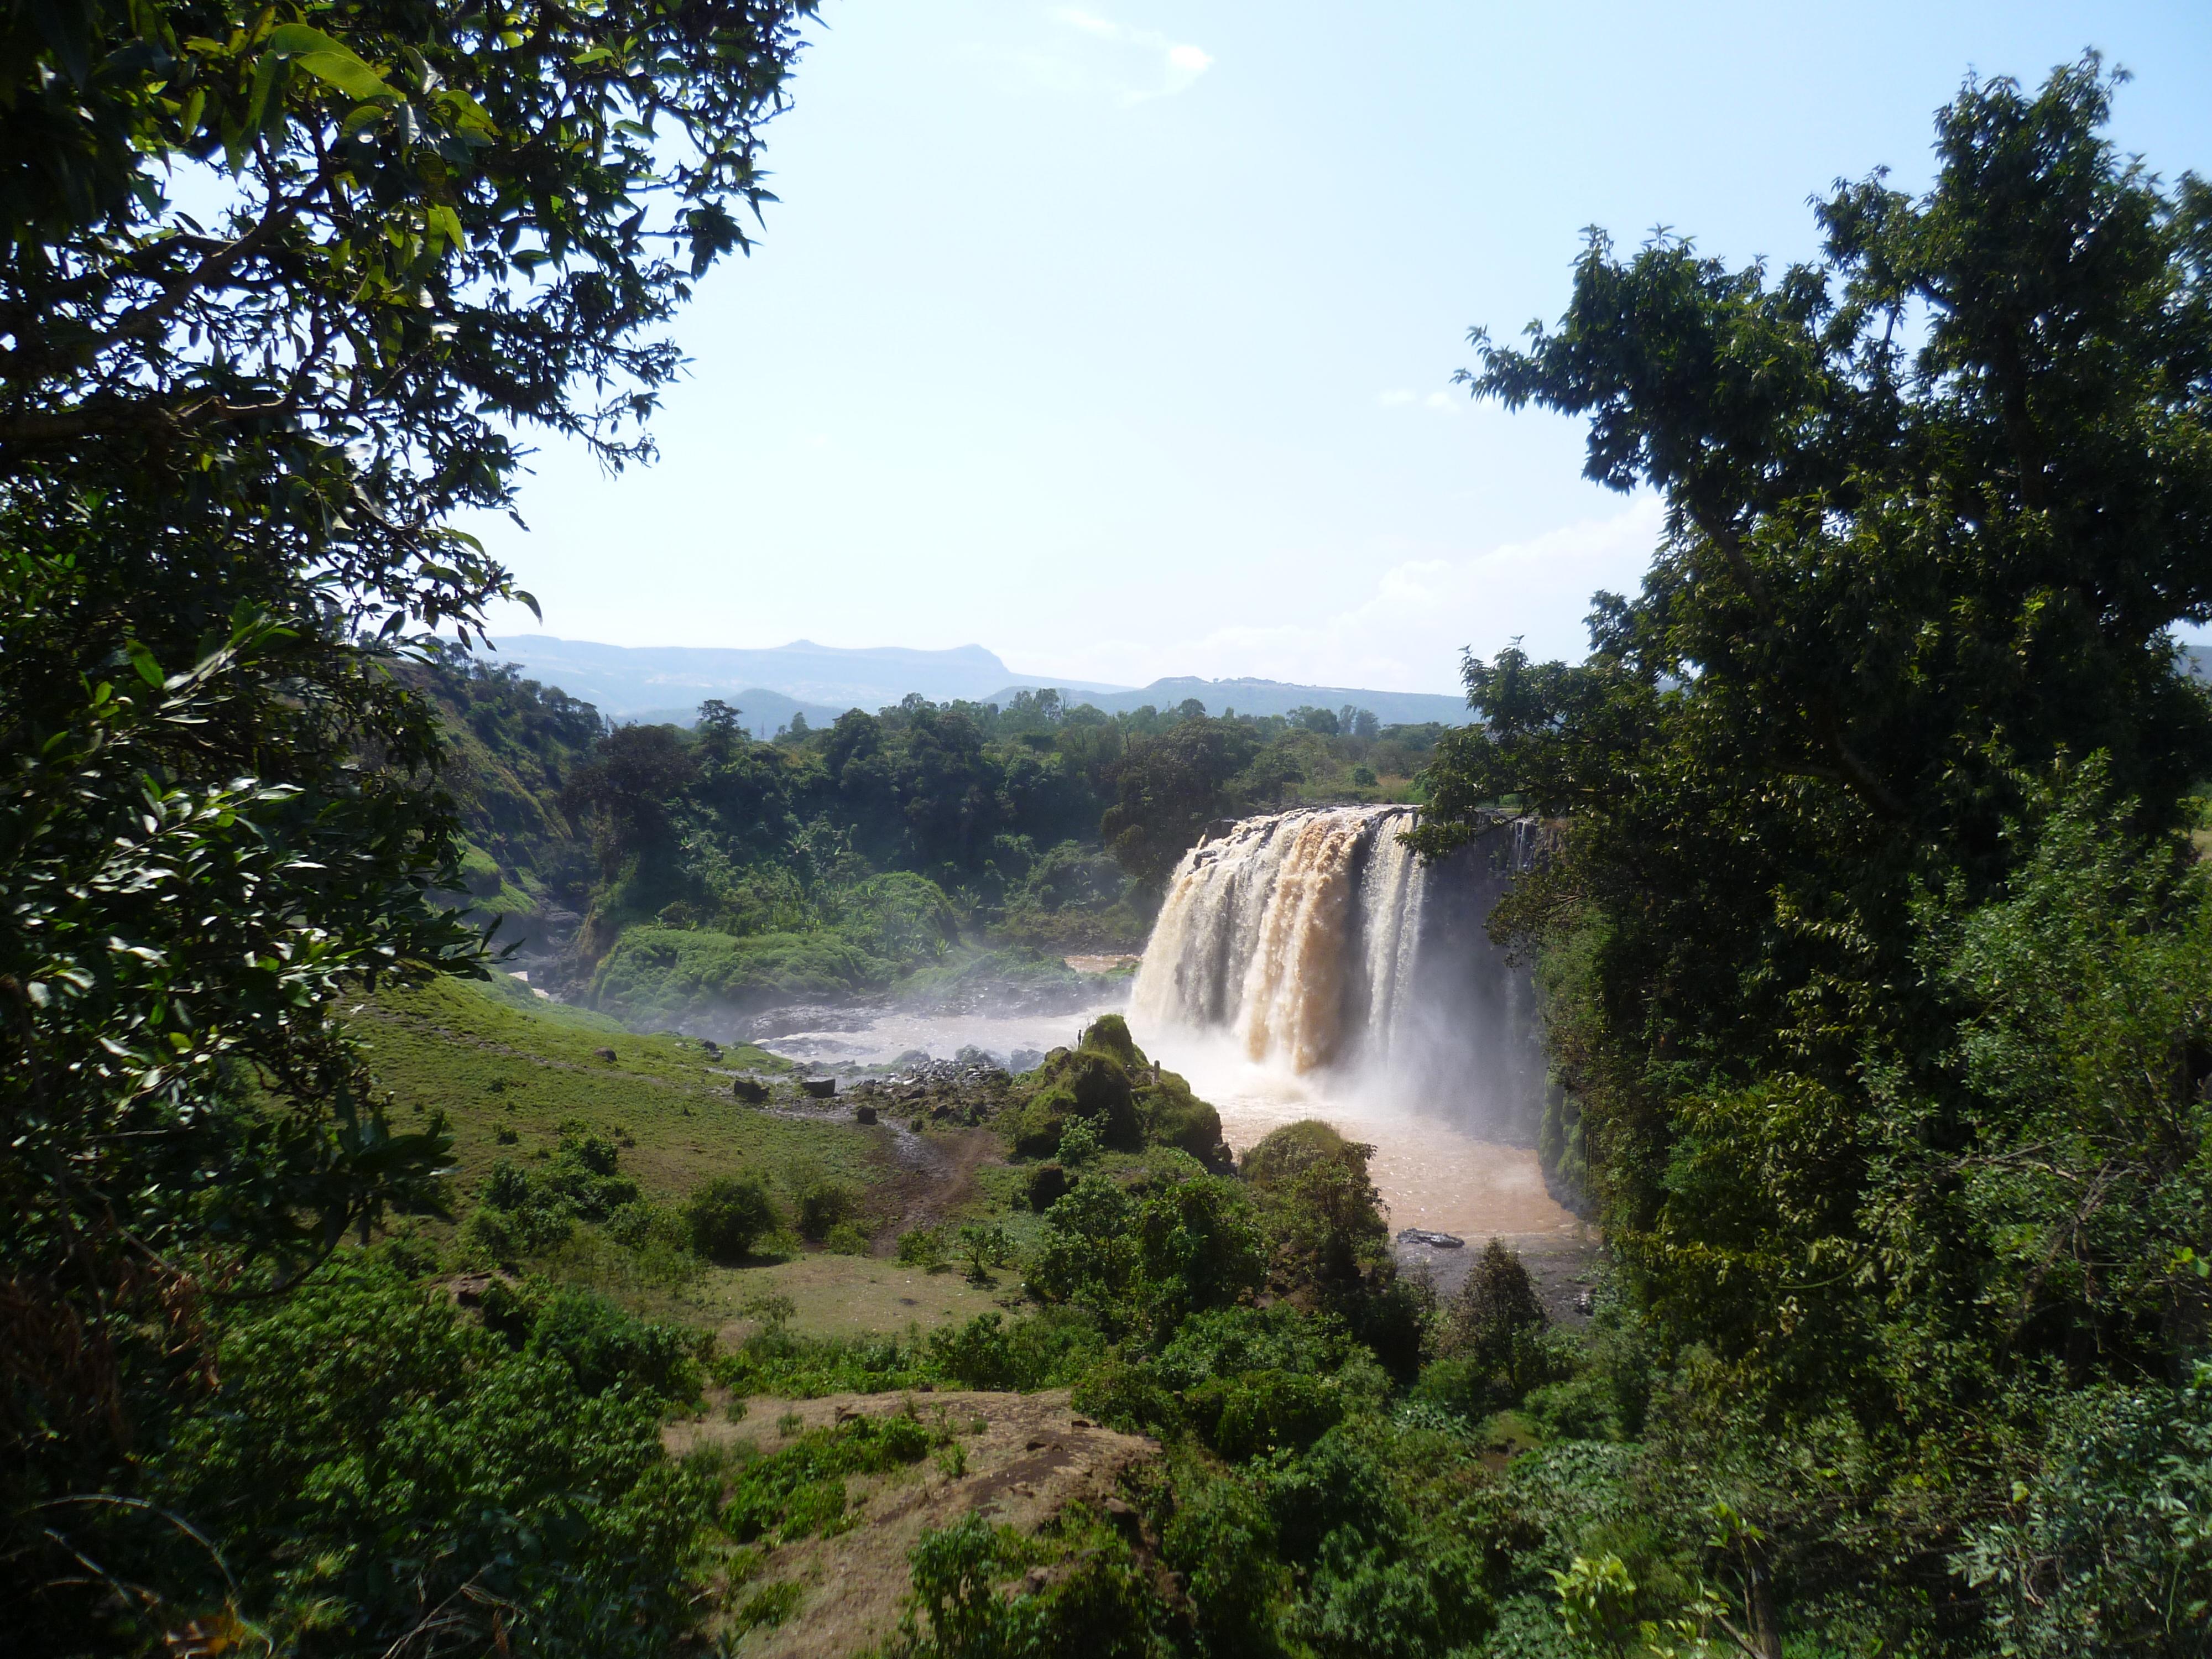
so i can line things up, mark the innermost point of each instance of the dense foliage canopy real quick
(280, 291)
(1872, 952)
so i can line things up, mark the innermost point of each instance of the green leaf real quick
(142, 660)
(328, 61)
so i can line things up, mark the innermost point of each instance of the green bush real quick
(1127, 1396)
(1223, 1540)
(1269, 1411)
(1100, 1606)
(1370, 1602)
(1282, 1154)
(656, 973)
(846, 1239)
(603, 1346)
(1580, 1409)
(819, 1200)
(801, 1491)
(2106, 1547)
(371, 1454)
(1048, 1350)
(729, 1214)
(921, 1247)
(777, 1361)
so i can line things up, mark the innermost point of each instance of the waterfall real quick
(1320, 943)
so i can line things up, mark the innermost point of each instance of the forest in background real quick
(656, 870)
(355, 1299)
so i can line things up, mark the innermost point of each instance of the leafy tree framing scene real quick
(493, 1171)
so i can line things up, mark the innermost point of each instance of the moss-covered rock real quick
(1289, 1152)
(1106, 1078)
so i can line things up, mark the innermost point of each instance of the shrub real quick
(1285, 1152)
(1497, 1303)
(1580, 1409)
(846, 1239)
(984, 1245)
(1127, 1396)
(801, 1491)
(2110, 1552)
(1102, 1608)
(1267, 1410)
(1046, 1351)
(1081, 1141)
(729, 1214)
(1368, 1603)
(1221, 1539)
(656, 972)
(637, 1227)
(921, 1247)
(819, 1200)
(602, 1346)
(373, 1460)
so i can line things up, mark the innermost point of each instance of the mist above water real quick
(1306, 964)
(1322, 947)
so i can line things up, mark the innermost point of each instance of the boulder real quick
(750, 1090)
(607, 1054)
(820, 1087)
(864, 1115)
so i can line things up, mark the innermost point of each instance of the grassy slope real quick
(493, 1057)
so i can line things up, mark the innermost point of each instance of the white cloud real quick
(1110, 60)
(1407, 631)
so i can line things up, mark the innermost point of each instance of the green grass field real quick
(498, 1061)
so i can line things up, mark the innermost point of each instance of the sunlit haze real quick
(1118, 339)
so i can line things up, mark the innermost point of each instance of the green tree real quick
(1167, 787)
(280, 288)
(1904, 572)
(1870, 966)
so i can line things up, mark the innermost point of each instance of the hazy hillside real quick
(656, 683)
(824, 680)
(766, 712)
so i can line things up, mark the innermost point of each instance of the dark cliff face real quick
(1469, 1042)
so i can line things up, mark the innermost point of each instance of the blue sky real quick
(1118, 337)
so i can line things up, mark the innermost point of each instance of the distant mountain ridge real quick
(658, 683)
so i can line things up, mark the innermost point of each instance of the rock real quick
(910, 1058)
(714, 1048)
(750, 1089)
(820, 1087)
(1434, 1241)
(864, 1115)
(1026, 1060)
(607, 1054)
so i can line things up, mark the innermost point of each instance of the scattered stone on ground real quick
(963, 1093)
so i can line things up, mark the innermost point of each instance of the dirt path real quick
(936, 1177)
(1032, 1456)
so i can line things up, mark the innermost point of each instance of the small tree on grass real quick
(729, 1214)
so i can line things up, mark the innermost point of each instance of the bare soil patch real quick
(1032, 1457)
